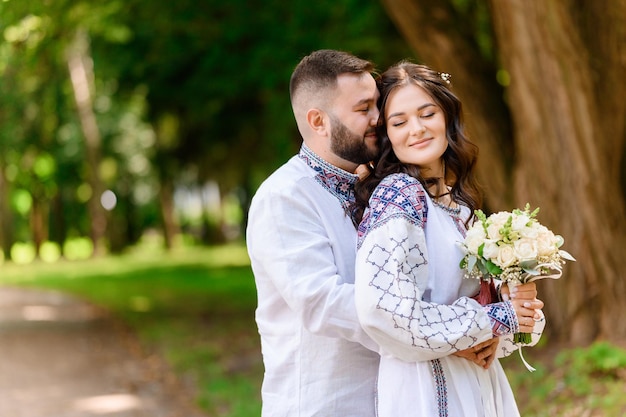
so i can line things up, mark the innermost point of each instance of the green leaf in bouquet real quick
(471, 262)
(531, 271)
(529, 264)
(559, 241)
(480, 263)
(480, 249)
(566, 255)
(492, 268)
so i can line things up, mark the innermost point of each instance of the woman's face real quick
(416, 127)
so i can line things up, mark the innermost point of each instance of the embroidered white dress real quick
(412, 299)
(302, 245)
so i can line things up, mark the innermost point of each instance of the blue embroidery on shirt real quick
(335, 180)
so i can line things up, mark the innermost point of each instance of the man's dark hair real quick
(319, 70)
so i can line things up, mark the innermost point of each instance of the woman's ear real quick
(316, 119)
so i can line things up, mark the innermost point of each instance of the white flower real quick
(547, 243)
(520, 221)
(517, 248)
(530, 232)
(474, 238)
(525, 249)
(506, 256)
(491, 250)
(500, 218)
(495, 223)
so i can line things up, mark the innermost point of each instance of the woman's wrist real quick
(503, 318)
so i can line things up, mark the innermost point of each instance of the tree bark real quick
(167, 131)
(170, 226)
(569, 142)
(445, 41)
(564, 113)
(6, 216)
(80, 75)
(38, 215)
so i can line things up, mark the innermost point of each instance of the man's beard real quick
(348, 145)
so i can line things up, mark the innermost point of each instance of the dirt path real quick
(60, 357)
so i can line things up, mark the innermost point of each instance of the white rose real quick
(490, 251)
(530, 232)
(546, 243)
(496, 222)
(493, 232)
(520, 221)
(525, 249)
(506, 256)
(474, 238)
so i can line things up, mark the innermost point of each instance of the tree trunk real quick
(38, 215)
(445, 41)
(80, 75)
(6, 216)
(170, 226)
(167, 129)
(566, 63)
(569, 129)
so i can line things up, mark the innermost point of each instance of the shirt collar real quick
(338, 182)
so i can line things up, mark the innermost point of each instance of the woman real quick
(410, 292)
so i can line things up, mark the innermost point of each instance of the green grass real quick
(569, 381)
(193, 306)
(196, 307)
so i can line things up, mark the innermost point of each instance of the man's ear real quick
(316, 119)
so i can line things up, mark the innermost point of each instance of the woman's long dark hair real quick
(459, 158)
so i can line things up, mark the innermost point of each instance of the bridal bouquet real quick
(513, 247)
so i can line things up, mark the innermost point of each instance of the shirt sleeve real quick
(295, 260)
(391, 277)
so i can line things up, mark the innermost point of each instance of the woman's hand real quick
(521, 291)
(525, 302)
(482, 354)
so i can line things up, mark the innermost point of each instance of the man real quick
(301, 241)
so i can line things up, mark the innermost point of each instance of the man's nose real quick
(375, 116)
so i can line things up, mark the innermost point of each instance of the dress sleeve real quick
(392, 275)
(507, 346)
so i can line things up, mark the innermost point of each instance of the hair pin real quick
(445, 77)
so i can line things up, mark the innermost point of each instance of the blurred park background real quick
(134, 133)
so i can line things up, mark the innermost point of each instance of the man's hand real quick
(482, 354)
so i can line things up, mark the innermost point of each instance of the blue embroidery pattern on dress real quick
(398, 195)
(338, 182)
(441, 387)
(503, 318)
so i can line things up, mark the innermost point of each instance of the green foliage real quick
(182, 91)
(579, 381)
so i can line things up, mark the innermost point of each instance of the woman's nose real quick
(416, 126)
